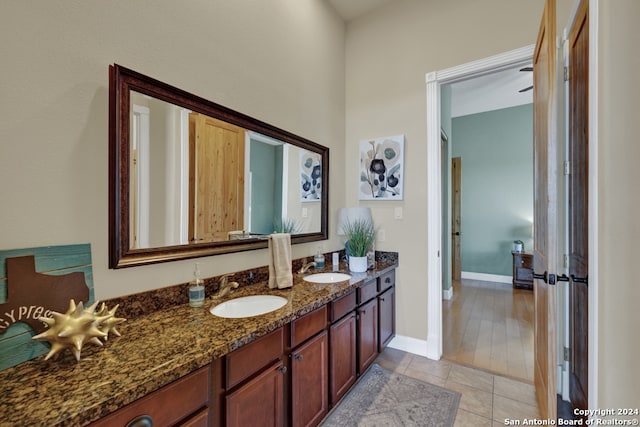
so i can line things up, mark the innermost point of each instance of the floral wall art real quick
(310, 176)
(381, 168)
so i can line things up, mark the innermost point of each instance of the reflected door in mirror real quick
(216, 182)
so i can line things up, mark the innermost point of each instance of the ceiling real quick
(491, 92)
(486, 93)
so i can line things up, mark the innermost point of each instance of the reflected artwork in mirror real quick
(191, 178)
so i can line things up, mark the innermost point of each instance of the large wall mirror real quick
(191, 178)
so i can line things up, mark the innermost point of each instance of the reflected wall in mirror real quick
(191, 178)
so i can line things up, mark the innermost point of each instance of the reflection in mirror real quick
(197, 179)
(200, 169)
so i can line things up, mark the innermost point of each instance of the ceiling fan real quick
(526, 88)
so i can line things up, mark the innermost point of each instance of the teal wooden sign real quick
(34, 282)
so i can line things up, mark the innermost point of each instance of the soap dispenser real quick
(196, 289)
(318, 259)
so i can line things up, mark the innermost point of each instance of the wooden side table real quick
(522, 270)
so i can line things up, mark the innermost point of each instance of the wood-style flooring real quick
(489, 326)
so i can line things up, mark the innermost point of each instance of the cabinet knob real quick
(387, 280)
(283, 369)
(141, 421)
(298, 357)
(382, 299)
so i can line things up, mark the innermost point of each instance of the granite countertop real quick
(154, 350)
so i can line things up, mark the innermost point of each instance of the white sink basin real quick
(326, 277)
(253, 305)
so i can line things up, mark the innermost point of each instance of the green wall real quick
(266, 186)
(496, 148)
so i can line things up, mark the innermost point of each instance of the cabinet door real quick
(309, 381)
(260, 402)
(342, 360)
(201, 419)
(387, 317)
(367, 334)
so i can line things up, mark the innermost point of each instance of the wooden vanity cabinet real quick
(367, 322)
(295, 374)
(386, 318)
(291, 376)
(255, 383)
(259, 402)
(342, 347)
(367, 333)
(309, 381)
(386, 309)
(309, 361)
(184, 402)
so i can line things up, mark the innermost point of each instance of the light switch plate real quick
(397, 212)
(305, 213)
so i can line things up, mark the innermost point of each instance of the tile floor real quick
(487, 399)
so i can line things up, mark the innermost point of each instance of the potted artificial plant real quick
(360, 237)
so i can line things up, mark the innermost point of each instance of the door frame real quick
(456, 207)
(593, 190)
(434, 80)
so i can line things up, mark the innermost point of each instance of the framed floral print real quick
(381, 168)
(310, 176)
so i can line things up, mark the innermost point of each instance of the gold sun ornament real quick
(109, 324)
(78, 326)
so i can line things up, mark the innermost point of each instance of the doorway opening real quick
(487, 204)
(517, 58)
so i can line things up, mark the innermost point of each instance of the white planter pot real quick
(358, 264)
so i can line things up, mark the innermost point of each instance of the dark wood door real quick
(258, 403)
(545, 210)
(578, 205)
(342, 361)
(310, 381)
(367, 334)
(456, 218)
(386, 317)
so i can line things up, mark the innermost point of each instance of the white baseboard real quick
(447, 293)
(486, 277)
(410, 345)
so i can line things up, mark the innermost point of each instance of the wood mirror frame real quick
(121, 254)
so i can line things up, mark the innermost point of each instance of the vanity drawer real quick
(367, 291)
(386, 280)
(308, 325)
(343, 305)
(251, 358)
(168, 405)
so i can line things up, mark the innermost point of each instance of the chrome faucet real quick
(306, 267)
(226, 287)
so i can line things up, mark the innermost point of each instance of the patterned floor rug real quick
(384, 398)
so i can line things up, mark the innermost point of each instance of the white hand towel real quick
(280, 275)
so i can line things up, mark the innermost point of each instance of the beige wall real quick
(389, 52)
(618, 204)
(279, 61)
